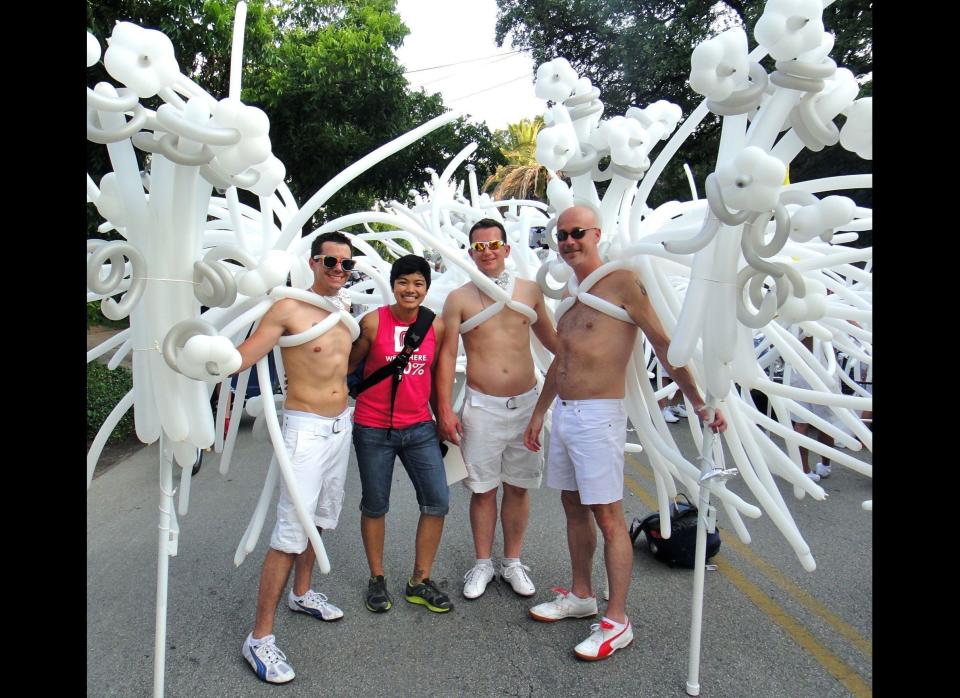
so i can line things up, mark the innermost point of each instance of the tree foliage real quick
(639, 52)
(522, 177)
(326, 75)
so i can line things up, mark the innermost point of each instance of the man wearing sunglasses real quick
(316, 431)
(588, 434)
(500, 395)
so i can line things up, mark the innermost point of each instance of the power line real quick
(469, 60)
(487, 89)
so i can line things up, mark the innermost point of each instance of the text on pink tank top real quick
(413, 393)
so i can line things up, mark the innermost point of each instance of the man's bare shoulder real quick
(282, 309)
(528, 285)
(458, 294)
(622, 282)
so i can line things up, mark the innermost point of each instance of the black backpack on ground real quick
(679, 550)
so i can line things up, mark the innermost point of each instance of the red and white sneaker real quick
(604, 641)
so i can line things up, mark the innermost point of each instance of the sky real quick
(497, 89)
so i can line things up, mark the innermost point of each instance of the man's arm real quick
(438, 330)
(640, 309)
(265, 337)
(445, 371)
(531, 437)
(369, 324)
(543, 327)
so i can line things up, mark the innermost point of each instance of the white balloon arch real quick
(734, 277)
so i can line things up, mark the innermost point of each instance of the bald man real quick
(588, 433)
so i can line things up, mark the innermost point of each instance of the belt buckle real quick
(336, 426)
(514, 401)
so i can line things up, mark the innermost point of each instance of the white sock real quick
(507, 561)
(616, 626)
(298, 597)
(485, 561)
(255, 642)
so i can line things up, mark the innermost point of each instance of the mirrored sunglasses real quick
(481, 246)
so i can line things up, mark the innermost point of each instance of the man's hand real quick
(450, 427)
(718, 423)
(531, 437)
(207, 358)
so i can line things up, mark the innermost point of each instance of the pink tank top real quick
(413, 393)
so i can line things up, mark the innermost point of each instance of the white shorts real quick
(319, 449)
(587, 440)
(492, 443)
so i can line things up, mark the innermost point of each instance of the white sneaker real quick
(476, 579)
(679, 410)
(315, 604)
(669, 416)
(267, 661)
(822, 470)
(566, 605)
(604, 641)
(813, 476)
(516, 575)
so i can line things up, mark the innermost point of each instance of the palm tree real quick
(522, 177)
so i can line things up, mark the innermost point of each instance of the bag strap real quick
(416, 333)
(676, 502)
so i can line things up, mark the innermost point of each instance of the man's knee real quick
(514, 492)
(572, 507)
(609, 518)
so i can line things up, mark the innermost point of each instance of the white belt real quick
(511, 403)
(321, 426)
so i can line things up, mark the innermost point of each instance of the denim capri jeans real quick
(419, 451)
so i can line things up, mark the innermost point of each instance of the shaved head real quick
(584, 216)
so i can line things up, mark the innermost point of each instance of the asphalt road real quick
(769, 627)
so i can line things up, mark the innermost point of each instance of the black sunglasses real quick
(330, 262)
(576, 233)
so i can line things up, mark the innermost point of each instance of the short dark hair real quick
(410, 264)
(339, 238)
(487, 223)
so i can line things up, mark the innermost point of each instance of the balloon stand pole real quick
(163, 557)
(696, 616)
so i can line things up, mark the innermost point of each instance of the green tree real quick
(639, 52)
(326, 74)
(522, 176)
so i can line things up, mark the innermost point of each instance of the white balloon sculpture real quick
(732, 278)
(750, 266)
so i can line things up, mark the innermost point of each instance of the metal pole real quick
(693, 664)
(710, 473)
(163, 554)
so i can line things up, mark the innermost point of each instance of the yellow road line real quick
(838, 669)
(843, 628)
(843, 673)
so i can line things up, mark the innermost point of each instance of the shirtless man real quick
(588, 435)
(501, 392)
(316, 431)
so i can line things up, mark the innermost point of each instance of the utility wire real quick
(487, 89)
(469, 60)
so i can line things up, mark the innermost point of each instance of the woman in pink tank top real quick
(385, 429)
